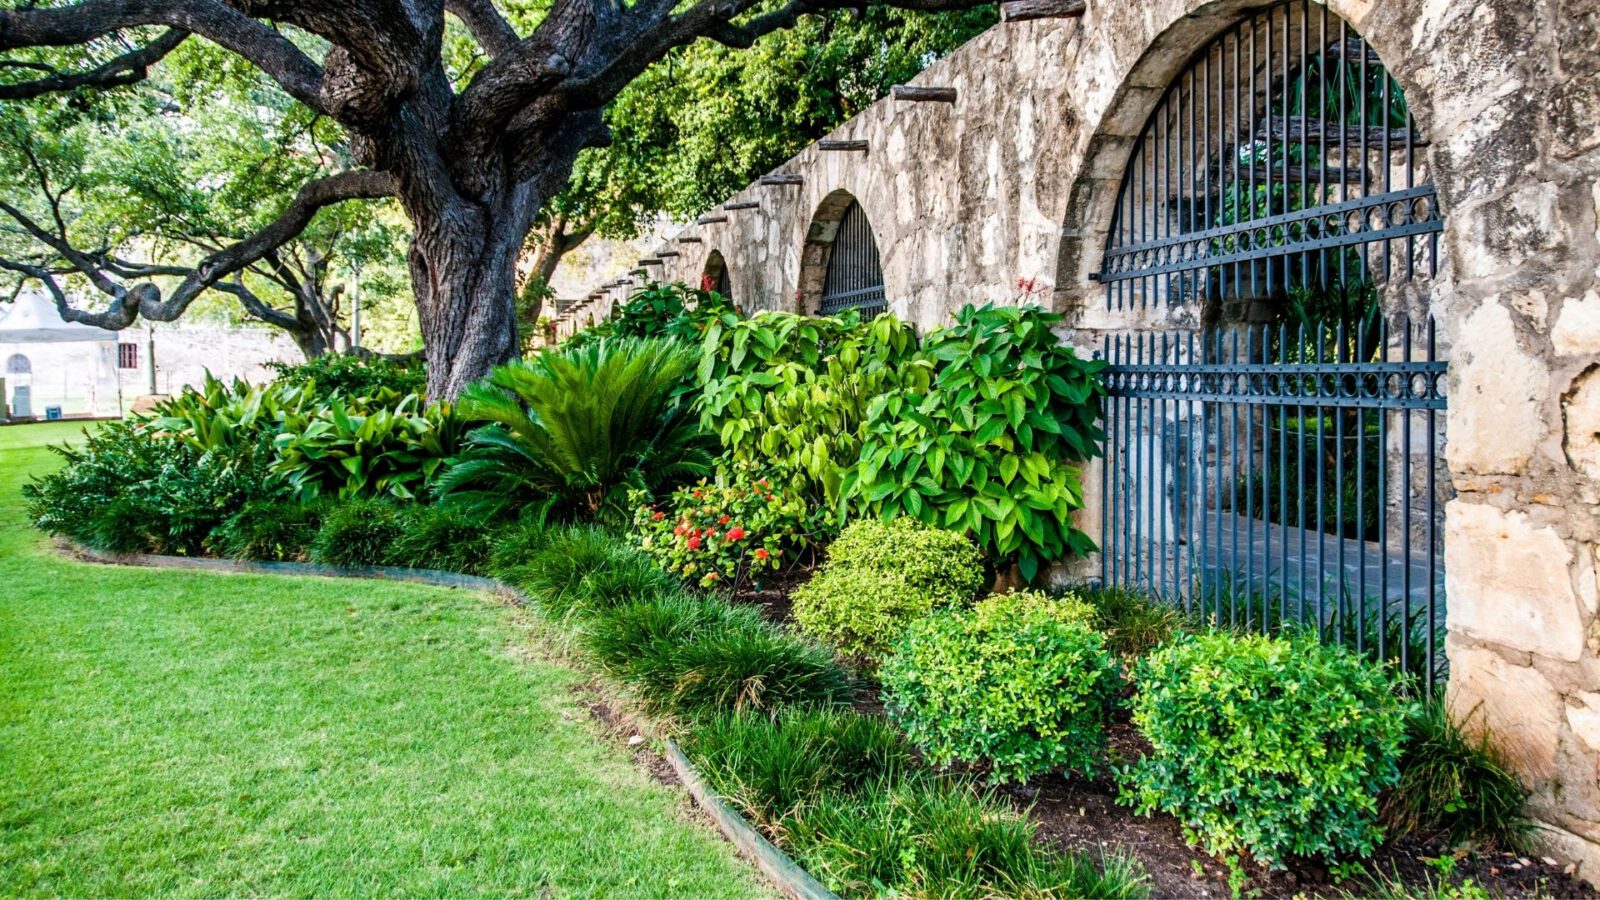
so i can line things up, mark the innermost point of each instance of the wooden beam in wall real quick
(917, 94)
(783, 178)
(666, 253)
(689, 239)
(742, 204)
(710, 220)
(854, 146)
(1024, 10)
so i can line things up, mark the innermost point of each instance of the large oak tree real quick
(472, 160)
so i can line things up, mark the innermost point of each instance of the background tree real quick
(708, 119)
(473, 153)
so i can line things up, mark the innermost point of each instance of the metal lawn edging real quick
(786, 874)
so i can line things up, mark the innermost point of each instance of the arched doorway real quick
(19, 386)
(1275, 429)
(715, 275)
(841, 268)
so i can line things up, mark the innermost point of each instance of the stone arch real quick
(1160, 43)
(821, 237)
(17, 364)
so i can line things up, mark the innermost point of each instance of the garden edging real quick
(786, 874)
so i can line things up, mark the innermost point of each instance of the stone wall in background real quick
(1015, 182)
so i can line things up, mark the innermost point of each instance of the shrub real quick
(700, 656)
(1133, 623)
(1270, 747)
(771, 766)
(274, 530)
(660, 310)
(880, 577)
(988, 438)
(1020, 681)
(434, 537)
(394, 446)
(583, 568)
(790, 393)
(515, 545)
(574, 429)
(930, 838)
(359, 533)
(724, 533)
(349, 376)
(1453, 787)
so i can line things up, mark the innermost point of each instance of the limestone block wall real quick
(1016, 181)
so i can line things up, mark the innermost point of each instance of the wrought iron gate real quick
(1274, 440)
(854, 278)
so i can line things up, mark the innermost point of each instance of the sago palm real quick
(574, 428)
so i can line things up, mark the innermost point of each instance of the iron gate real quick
(854, 278)
(1273, 440)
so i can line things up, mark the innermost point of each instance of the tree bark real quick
(463, 269)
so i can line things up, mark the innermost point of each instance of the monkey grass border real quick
(787, 875)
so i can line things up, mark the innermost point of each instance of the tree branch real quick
(78, 23)
(490, 29)
(129, 68)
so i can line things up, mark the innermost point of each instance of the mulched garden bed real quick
(1077, 813)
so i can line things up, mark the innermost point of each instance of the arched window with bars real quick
(1274, 448)
(854, 274)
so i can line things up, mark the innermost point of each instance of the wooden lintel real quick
(666, 253)
(710, 220)
(918, 94)
(857, 146)
(783, 178)
(649, 261)
(1024, 10)
(689, 239)
(742, 204)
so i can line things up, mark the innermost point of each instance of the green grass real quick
(202, 734)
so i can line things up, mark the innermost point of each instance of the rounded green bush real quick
(358, 533)
(274, 530)
(1267, 746)
(880, 577)
(1020, 681)
(443, 539)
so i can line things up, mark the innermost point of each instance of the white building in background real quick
(56, 368)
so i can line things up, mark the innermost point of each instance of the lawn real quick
(204, 734)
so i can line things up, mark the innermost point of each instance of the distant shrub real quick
(359, 533)
(660, 310)
(1133, 623)
(350, 375)
(443, 539)
(771, 766)
(700, 657)
(1268, 747)
(1020, 682)
(1454, 787)
(881, 577)
(272, 530)
(928, 838)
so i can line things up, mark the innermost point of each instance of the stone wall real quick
(1016, 181)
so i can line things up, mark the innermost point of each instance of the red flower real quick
(762, 554)
(723, 520)
(712, 535)
(736, 534)
(658, 516)
(694, 542)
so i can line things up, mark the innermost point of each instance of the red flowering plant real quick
(727, 532)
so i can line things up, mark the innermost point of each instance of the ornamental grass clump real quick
(584, 568)
(358, 533)
(272, 530)
(443, 539)
(880, 577)
(1266, 747)
(1455, 787)
(1019, 682)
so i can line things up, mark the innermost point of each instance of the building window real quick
(127, 356)
(854, 277)
(18, 364)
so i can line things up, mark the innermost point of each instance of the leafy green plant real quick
(934, 838)
(699, 657)
(661, 309)
(359, 532)
(770, 767)
(351, 376)
(584, 568)
(724, 533)
(573, 430)
(273, 530)
(1019, 682)
(227, 418)
(1269, 747)
(447, 540)
(1454, 787)
(791, 393)
(880, 577)
(514, 547)
(988, 438)
(386, 445)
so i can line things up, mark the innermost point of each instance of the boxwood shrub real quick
(880, 577)
(1269, 747)
(1020, 682)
